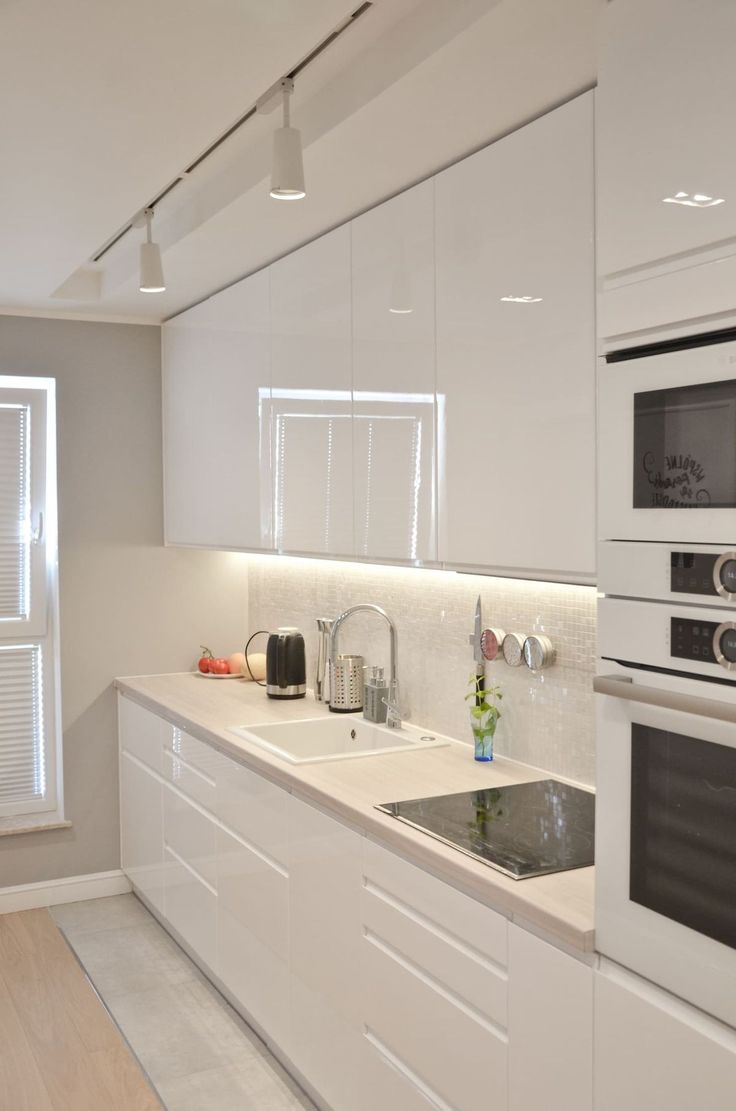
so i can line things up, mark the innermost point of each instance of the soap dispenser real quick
(375, 691)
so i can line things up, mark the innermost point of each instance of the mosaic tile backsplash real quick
(548, 717)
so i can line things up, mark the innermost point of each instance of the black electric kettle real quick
(286, 675)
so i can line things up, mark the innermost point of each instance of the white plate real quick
(209, 675)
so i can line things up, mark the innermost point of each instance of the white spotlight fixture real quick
(287, 168)
(151, 271)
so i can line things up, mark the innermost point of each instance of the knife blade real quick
(480, 663)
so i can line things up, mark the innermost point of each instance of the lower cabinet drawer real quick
(191, 835)
(389, 1084)
(444, 1041)
(191, 908)
(253, 935)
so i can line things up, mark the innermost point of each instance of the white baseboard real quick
(71, 889)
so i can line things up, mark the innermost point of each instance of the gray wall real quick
(128, 605)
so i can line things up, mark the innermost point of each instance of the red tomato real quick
(219, 666)
(204, 664)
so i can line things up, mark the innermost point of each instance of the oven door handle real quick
(617, 687)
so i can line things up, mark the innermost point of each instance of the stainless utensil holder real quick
(346, 684)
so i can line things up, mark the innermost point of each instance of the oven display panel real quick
(692, 640)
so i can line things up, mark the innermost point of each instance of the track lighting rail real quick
(298, 68)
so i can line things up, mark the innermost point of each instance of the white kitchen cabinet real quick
(142, 736)
(516, 378)
(141, 829)
(550, 1027)
(216, 397)
(190, 874)
(653, 1050)
(434, 988)
(393, 358)
(253, 898)
(311, 403)
(327, 1043)
(666, 90)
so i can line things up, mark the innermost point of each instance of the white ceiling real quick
(101, 112)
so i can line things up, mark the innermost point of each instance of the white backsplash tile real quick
(547, 717)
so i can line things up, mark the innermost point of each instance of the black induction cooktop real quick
(524, 830)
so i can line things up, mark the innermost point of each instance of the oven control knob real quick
(724, 575)
(538, 652)
(724, 645)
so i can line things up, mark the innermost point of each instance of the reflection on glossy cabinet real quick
(666, 90)
(311, 406)
(516, 351)
(652, 1050)
(394, 377)
(216, 394)
(327, 1045)
(550, 1027)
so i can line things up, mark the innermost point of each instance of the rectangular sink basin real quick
(336, 738)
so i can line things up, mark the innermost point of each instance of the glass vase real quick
(483, 742)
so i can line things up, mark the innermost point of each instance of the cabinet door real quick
(141, 829)
(394, 378)
(253, 897)
(515, 351)
(652, 1050)
(666, 90)
(325, 944)
(550, 1027)
(216, 395)
(311, 407)
(142, 733)
(434, 990)
(190, 875)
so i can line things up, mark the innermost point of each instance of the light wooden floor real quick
(59, 1049)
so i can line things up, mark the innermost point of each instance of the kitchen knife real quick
(480, 663)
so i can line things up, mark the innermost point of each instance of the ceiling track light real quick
(151, 277)
(287, 167)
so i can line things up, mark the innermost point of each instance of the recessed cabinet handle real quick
(617, 687)
(37, 534)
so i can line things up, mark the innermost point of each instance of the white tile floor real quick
(198, 1053)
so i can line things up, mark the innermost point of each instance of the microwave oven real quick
(667, 442)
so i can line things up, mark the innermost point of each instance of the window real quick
(30, 735)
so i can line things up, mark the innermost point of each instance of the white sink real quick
(336, 738)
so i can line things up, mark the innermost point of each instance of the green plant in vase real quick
(484, 714)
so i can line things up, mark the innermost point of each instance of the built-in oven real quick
(667, 442)
(666, 797)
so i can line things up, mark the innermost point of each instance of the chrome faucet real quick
(393, 717)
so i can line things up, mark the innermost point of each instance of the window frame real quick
(42, 625)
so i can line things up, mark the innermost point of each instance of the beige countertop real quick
(560, 904)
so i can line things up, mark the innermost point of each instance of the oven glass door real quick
(667, 447)
(666, 836)
(682, 849)
(685, 447)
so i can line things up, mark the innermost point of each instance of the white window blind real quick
(22, 755)
(29, 765)
(14, 512)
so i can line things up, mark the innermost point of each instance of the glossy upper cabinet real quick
(311, 403)
(516, 351)
(393, 358)
(667, 86)
(216, 394)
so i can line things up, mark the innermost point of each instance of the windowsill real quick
(32, 823)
